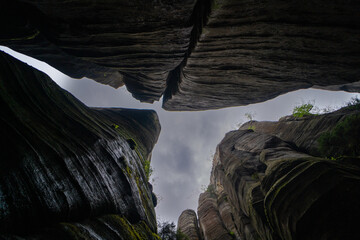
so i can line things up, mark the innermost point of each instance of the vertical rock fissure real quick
(198, 19)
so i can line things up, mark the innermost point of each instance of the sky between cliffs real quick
(182, 157)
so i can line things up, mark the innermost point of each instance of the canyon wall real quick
(199, 55)
(68, 171)
(268, 181)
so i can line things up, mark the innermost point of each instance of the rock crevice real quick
(198, 55)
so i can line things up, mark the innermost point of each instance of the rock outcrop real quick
(203, 54)
(67, 171)
(188, 225)
(265, 187)
(303, 131)
(113, 42)
(252, 51)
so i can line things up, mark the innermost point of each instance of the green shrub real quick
(232, 234)
(210, 189)
(354, 103)
(251, 127)
(343, 140)
(303, 110)
(255, 176)
(148, 169)
(181, 236)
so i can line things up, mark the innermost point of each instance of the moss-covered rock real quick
(275, 190)
(64, 162)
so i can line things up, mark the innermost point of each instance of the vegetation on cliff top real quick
(343, 140)
(303, 110)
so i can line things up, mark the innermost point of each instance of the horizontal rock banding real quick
(263, 187)
(199, 55)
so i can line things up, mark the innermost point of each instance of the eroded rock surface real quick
(188, 225)
(304, 131)
(203, 54)
(263, 187)
(113, 42)
(251, 51)
(67, 171)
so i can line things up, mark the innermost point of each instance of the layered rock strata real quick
(252, 51)
(304, 131)
(67, 171)
(203, 54)
(188, 225)
(264, 187)
(113, 42)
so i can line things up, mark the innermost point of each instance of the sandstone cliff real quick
(265, 184)
(199, 55)
(188, 225)
(68, 171)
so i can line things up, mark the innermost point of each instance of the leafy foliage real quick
(181, 236)
(303, 110)
(354, 103)
(343, 140)
(210, 188)
(167, 232)
(252, 127)
(148, 169)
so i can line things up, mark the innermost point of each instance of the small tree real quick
(303, 110)
(166, 230)
(250, 116)
(354, 103)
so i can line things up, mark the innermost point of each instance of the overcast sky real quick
(182, 157)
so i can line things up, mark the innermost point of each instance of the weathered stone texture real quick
(251, 51)
(263, 187)
(65, 167)
(210, 220)
(188, 225)
(112, 42)
(199, 55)
(304, 131)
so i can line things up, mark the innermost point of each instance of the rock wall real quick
(252, 51)
(68, 171)
(265, 187)
(113, 42)
(203, 54)
(304, 131)
(188, 225)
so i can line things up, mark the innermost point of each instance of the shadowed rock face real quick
(66, 170)
(113, 42)
(188, 225)
(304, 131)
(252, 51)
(262, 187)
(211, 223)
(199, 55)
